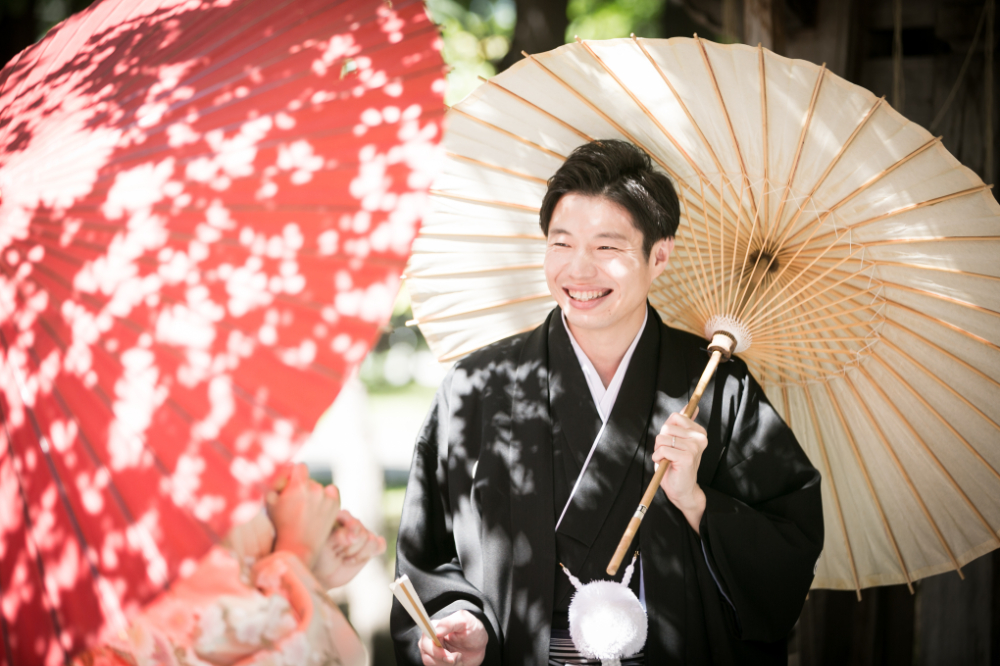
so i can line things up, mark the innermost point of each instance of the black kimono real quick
(502, 446)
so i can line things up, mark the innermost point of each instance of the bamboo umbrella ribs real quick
(849, 256)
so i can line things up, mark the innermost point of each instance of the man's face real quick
(594, 264)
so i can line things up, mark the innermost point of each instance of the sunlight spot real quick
(138, 394)
(343, 281)
(48, 500)
(182, 93)
(207, 234)
(198, 251)
(275, 247)
(137, 188)
(374, 80)
(267, 190)
(247, 288)
(284, 121)
(90, 491)
(138, 536)
(149, 115)
(341, 343)
(69, 231)
(391, 24)
(327, 242)
(321, 96)
(244, 512)
(181, 326)
(367, 303)
(188, 566)
(357, 247)
(220, 397)
(337, 47)
(207, 506)
(196, 368)
(186, 479)
(62, 433)
(267, 335)
(240, 344)
(218, 216)
(113, 542)
(174, 266)
(110, 605)
(233, 157)
(301, 356)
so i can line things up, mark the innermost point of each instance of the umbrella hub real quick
(760, 265)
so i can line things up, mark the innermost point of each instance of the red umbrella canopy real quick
(205, 207)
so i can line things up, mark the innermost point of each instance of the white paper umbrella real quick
(850, 252)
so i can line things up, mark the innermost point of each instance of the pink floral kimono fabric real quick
(238, 609)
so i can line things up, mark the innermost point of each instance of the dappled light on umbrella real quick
(204, 212)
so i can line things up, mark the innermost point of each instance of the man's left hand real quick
(681, 442)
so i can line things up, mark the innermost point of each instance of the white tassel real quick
(573, 579)
(628, 571)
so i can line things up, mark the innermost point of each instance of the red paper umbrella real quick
(205, 207)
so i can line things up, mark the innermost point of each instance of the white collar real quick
(604, 398)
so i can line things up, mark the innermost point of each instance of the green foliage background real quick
(477, 33)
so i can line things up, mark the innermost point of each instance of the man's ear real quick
(659, 255)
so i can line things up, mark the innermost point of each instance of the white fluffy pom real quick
(606, 621)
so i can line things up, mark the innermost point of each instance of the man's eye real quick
(607, 247)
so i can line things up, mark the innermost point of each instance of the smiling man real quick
(538, 448)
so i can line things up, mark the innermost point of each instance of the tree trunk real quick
(541, 26)
(18, 27)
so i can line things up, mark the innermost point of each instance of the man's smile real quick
(584, 296)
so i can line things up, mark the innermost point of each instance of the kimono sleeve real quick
(762, 530)
(426, 549)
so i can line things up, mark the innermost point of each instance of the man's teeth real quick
(588, 295)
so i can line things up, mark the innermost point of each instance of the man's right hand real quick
(464, 638)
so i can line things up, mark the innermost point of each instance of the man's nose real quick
(582, 264)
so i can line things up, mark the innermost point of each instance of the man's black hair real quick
(622, 173)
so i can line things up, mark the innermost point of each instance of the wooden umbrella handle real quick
(661, 468)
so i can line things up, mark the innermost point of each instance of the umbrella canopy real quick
(852, 255)
(205, 208)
